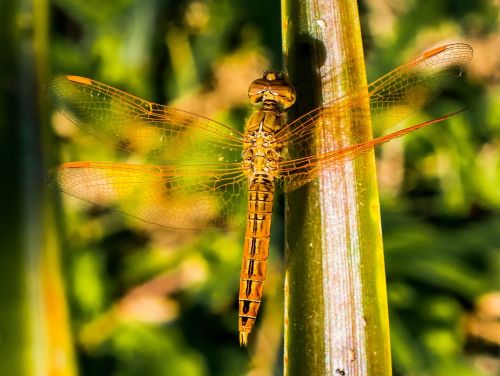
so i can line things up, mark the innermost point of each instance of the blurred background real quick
(91, 292)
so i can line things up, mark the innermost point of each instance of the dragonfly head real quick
(272, 88)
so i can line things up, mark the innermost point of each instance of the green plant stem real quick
(35, 331)
(14, 332)
(336, 319)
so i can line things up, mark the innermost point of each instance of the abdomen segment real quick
(255, 253)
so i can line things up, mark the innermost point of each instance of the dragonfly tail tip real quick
(243, 339)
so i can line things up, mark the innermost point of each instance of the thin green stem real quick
(35, 331)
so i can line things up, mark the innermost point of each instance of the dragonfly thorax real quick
(261, 151)
(261, 154)
(272, 90)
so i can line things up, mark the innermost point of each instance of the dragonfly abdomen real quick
(255, 252)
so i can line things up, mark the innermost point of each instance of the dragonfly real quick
(200, 172)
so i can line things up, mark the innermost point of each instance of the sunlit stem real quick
(336, 319)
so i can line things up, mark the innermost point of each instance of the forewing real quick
(392, 98)
(181, 196)
(156, 132)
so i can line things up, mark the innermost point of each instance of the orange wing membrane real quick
(175, 196)
(159, 133)
(199, 171)
(392, 98)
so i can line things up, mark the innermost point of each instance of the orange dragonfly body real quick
(201, 170)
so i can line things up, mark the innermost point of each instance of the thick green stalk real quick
(336, 306)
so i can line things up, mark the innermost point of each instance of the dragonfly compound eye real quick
(273, 88)
(283, 92)
(257, 90)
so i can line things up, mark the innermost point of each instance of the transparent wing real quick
(299, 171)
(181, 197)
(392, 98)
(158, 133)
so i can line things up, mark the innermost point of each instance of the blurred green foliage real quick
(152, 301)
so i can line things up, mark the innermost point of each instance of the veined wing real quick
(392, 98)
(178, 196)
(159, 133)
(299, 171)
